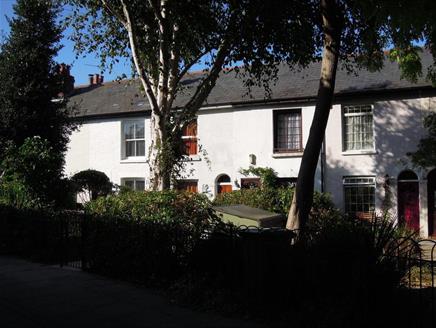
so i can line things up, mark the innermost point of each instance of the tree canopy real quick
(34, 122)
(166, 39)
(358, 33)
(29, 78)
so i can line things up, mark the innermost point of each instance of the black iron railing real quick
(263, 268)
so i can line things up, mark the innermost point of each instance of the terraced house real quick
(375, 121)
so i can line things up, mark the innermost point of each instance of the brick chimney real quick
(65, 79)
(95, 79)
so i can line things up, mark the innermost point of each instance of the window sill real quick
(359, 152)
(288, 155)
(130, 160)
(191, 158)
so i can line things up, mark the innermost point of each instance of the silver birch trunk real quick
(303, 196)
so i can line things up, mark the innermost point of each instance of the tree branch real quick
(164, 60)
(174, 67)
(113, 12)
(156, 11)
(141, 71)
(208, 83)
(192, 63)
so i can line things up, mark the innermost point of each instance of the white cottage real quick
(375, 121)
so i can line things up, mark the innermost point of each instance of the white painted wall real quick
(398, 126)
(227, 135)
(230, 134)
(97, 145)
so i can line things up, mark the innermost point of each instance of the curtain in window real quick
(289, 131)
(358, 127)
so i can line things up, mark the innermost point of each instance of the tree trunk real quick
(160, 176)
(303, 196)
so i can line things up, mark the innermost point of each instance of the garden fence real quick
(259, 267)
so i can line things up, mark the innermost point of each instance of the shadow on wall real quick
(398, 127)
(397, 131)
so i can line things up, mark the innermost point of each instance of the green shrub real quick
(147, 235)
(32, 175)
(95, 182)
(267, 175)
(16, 194)
(276, 200)
(191, 209)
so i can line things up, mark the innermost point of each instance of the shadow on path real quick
(35, 295)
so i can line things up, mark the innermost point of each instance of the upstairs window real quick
(134, 141)
(287, 131)
(189, 138)
(358, 128)
(136, 184)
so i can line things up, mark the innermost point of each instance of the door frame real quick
(431, 200)
(414, 181)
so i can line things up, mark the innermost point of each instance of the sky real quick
(81, 67)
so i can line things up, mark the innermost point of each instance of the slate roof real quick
(119, 98)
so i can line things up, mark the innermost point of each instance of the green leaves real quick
(409, 61)
(29, 78)
(95, 182)
(33, 170)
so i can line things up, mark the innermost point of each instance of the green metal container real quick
(249, 216)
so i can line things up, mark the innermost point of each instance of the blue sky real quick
(81, 67)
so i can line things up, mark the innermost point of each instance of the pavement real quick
(36, 295)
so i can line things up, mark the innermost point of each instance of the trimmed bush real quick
(95, 182)
(276, 200)
(191, 209)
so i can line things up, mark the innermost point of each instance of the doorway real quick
(224, 184)
(408, 200)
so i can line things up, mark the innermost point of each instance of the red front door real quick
(431, 187)
(408, 204)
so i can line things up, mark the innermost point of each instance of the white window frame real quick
(124, 140)
(134, 180)
(359, 181)
(370, 149)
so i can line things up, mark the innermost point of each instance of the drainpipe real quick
(322, 164)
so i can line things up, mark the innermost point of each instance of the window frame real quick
(124, 140)
(344, 134)
(276, 114)
(349, 182)
(186, 183)
(190, 138)
(250, 183)
(135, 180)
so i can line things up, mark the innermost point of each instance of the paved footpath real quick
(35, 295)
